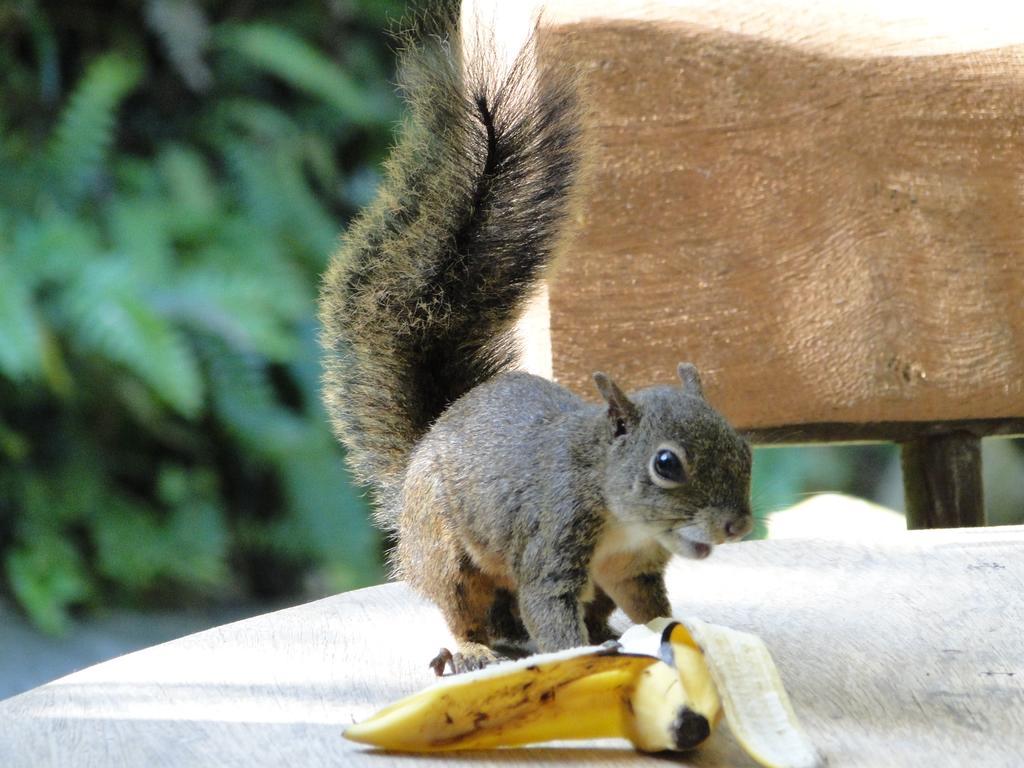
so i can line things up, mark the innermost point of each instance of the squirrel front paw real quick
(601, 634)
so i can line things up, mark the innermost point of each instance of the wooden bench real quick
(906, 652)
(820, 204)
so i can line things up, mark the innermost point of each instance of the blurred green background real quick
(174, 176)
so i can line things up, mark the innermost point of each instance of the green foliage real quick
(289, 57)
(86, 130)
(46, 577)
(163, 222)
(21, 354)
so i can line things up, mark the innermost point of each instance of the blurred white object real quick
(835, 516)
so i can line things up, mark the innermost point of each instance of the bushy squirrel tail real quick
(419, 302)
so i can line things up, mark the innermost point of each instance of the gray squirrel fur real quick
(522, 511)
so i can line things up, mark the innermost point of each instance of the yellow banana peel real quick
(754, 700)
(665, 686)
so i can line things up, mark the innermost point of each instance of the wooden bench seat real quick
(905, 652)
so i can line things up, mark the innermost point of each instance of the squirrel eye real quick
(667, 468)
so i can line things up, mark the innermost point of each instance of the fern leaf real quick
(185, 32)
(139, 231)
(257, 185)
(21, 331)
(136, 548)
(109, 316)
(244, 401)
(295, 61)
(47, 576)
(85, 132)
(319, 158)
(54, 248)
(311, 227)
(257, 119)
(198, 539)
(329, 511)
(275, 190)
(195, 199)
(240, 245)
(129, 545)
(248, 311)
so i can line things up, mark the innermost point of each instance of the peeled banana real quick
(664, 686)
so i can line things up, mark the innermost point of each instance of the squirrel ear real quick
(691, 379)
(622, 413)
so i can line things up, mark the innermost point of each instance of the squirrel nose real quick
(738, 527)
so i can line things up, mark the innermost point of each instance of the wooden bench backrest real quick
(827, 220)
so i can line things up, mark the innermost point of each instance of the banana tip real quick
(354, 733)
(689, 729)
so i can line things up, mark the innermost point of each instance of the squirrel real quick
(522, 511)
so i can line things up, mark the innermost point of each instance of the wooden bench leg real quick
(942, 481)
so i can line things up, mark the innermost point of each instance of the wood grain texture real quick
(841, 27)
(903, 653)
(833, 232)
